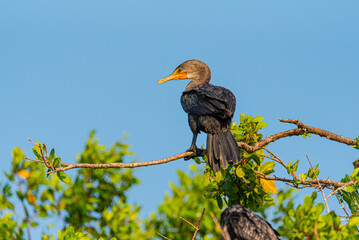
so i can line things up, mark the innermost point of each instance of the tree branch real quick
(325, 182)
(302, 129)
(320, 132)
(67, 166)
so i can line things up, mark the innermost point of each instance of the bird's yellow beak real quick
(176, 75)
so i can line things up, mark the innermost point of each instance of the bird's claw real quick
(195, 153)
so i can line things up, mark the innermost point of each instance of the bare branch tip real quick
(31, 140)
(163, 236)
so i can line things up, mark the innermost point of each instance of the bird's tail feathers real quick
(221, 149)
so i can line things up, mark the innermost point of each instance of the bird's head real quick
(191, 69)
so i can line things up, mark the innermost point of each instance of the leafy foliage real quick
(350, 194)
(187, 200)
(93, 201)
(308, 221)
(9, 228)
(99, 196)
(92, 204)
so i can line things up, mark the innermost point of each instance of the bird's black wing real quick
(207, 99)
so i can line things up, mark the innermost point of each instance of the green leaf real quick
(269, 200)
(354, 221)
(261, 125)
(63, 177)
(355, 172)
(297, 181)
(256, 159)
(52, 154)
(295, 166)
(289, 167)
(314, 195)
(267, 167)
(37, 153)
(10, 177)
(240, 173)
(305, 135)
(57, 162)
(34, 224)
(197, 160)
(19, 195)
(18, 156)
(248, 118)
(308, 202)
(317, 210)
(257, 119)
(219, 201)
(301, 176)
(349, 189)
(205, 158)
(356, 146)
(242, 117)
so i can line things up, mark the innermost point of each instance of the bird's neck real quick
(202, 78)
(195, 83)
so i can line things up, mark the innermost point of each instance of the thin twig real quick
(35, 160)
(320, 187)
(188, 222)
(163, 236)
(270, 157)
(324, 182)
(31, 141)
(276, 158)
(40, 161)
(340, 188)
(315, 230)
(224, 234)
(26, 220)
(47, 157)
(42, 155)
(341, 203)
(281, 162)
(199, 222)
(47, 154)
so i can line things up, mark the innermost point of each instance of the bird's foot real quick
(195, 153)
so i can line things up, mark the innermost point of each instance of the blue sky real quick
(68, 67)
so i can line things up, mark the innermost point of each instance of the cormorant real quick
(210, 109)
(241, 223)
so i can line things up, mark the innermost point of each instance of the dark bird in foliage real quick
(210, 109)
(241, 223)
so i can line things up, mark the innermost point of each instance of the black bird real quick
(210, 109)
(241, 223)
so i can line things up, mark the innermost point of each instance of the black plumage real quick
(241, 223)
(210, 109)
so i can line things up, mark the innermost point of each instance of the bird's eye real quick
(180, 69)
